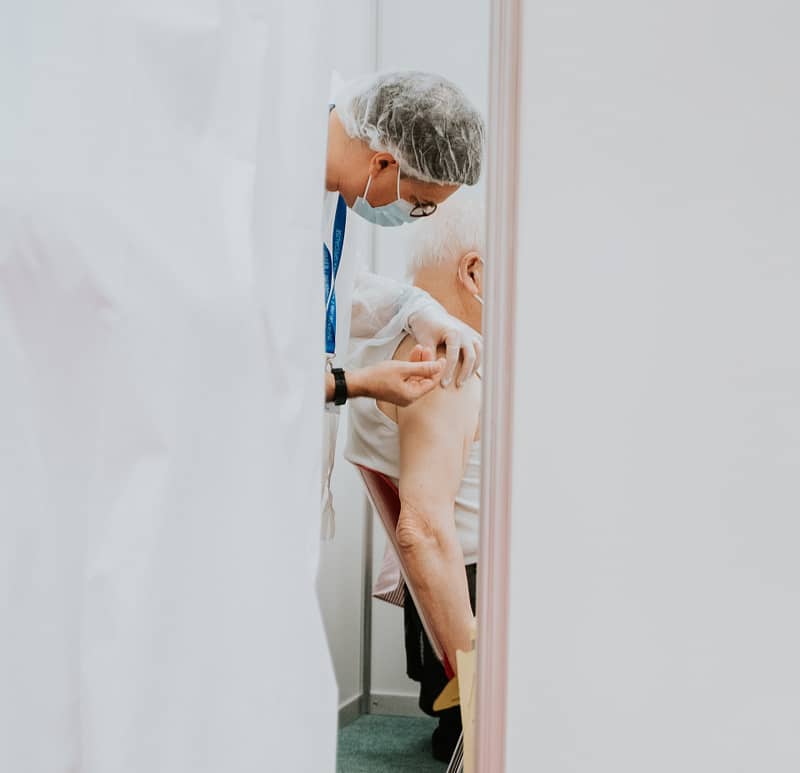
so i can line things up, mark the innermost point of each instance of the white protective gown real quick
(160, 388)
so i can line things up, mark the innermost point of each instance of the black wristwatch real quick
(339, 386)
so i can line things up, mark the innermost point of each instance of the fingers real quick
(419, 388)
(421, 354)
(422, 370)
(417, 379)
(473, 355)
(478, 353)
(452, 350)
(467, 364)
(462, 359)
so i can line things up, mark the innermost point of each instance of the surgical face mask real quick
(396, 213)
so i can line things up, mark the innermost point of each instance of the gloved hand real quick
(431, 325)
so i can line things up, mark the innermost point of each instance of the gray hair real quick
(456, 228)
(425, 121)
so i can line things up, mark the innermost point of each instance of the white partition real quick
(160, 174)
(655, 585)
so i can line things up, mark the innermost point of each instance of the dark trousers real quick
(423, 666)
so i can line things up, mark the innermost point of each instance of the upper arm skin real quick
(436, 433)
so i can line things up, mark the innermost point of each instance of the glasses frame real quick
(424, 210)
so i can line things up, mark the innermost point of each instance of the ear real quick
(381, 161)
(470, 272)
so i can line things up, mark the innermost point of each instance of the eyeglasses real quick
(423, 210)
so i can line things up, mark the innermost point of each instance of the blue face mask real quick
(396, 213)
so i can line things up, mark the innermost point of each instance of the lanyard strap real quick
(330, 265)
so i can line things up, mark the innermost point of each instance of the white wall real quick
(655, 584)
(450, 38)
(340, 586)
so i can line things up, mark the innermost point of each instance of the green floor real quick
(380, 744)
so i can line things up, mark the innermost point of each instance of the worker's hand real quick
(432, 325)
(397, 381)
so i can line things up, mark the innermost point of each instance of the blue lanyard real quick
(330, 265)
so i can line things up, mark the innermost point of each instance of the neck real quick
(342, 152)
(333, 154)
(455, 300)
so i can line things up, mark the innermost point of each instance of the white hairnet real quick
(425, 121)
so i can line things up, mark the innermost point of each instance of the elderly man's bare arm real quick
(436, 433)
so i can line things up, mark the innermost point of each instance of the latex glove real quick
(431, 325)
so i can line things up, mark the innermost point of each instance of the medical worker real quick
(399, 144)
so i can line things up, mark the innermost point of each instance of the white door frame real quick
(498, 397)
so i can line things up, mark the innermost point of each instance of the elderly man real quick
(431, 449)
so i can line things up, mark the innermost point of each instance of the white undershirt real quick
(374, 442)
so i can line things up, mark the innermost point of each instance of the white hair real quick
(456, 228)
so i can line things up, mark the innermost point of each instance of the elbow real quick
(418, 531)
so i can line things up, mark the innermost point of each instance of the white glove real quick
(431, 325)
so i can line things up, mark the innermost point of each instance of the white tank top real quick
(374, 442)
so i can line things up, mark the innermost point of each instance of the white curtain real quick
(161, 167)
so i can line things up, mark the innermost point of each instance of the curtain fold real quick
(161, 168)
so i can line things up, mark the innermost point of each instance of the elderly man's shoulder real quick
(467, 398)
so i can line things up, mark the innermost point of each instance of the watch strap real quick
(340, 386)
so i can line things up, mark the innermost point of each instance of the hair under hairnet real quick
(425, 121)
